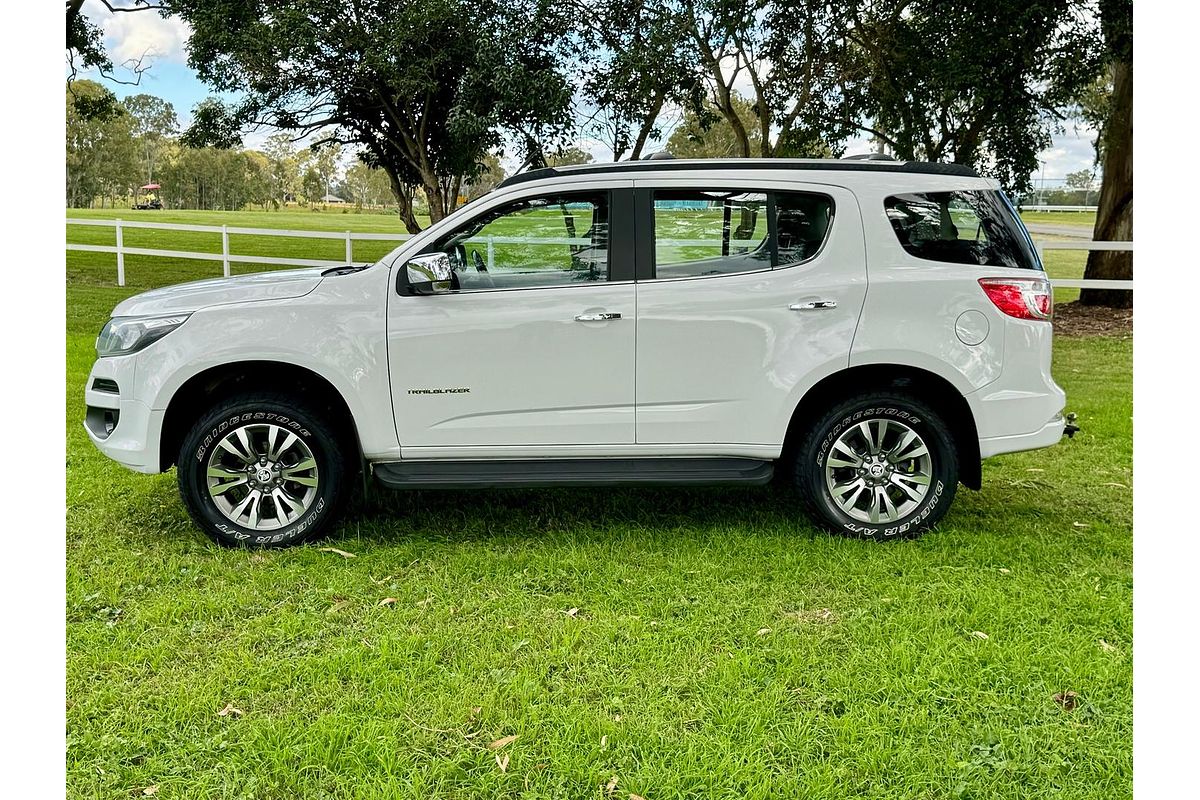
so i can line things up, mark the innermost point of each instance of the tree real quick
(424, 89)
(325, 164)
(980, 83)
(283, 174)
(100, 152)
(154, 122)
(1114, 213)
(1081, 179)
(85, 50)
(793, 54)
(716, 139)
(635, 67)
(487, 180)
(567, 156)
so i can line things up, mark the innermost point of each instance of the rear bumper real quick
(1048, 435)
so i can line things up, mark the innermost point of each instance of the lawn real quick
(682, 642)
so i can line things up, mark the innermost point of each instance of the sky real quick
(162, 42)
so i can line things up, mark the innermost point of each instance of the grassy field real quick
(683, 643)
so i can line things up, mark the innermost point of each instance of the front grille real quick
(106, 385)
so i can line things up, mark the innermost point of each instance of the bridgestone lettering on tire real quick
(262, 470)
(878, 466)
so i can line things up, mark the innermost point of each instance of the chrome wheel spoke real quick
(854, 459)
(913, 493)
(222, 488)
(286, 508)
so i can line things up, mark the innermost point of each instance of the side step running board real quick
(573, 472)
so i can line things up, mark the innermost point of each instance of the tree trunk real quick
(404, 204)
(1114, 217)
(646, 128)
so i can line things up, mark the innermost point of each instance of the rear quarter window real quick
(975, 227)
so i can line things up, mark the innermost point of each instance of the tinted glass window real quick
(720, 232)
(709, 233)
(963, 227)
(801, 222)
(558, 240)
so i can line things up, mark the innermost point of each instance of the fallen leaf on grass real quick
(979, 635)
(388, 601)
(1034, 469)
(1005, 571)
(425, 603)
(1081, 525)
(229, 710)
(336, 607)
(507, 740)
(604, 743)
(1067, 700)
(1118, 485)
(763, 631)
(502, 762)
(571, 612)
(611, 786)
(150, 791)
(817, 615)
(635, 797)
(1106, 647)
(341, 553)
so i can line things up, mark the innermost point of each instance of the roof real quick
(672, 165)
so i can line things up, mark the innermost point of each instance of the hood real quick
(187, 297)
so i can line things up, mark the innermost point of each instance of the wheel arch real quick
(929, 387)
(199, 392)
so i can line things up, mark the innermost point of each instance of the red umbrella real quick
(151, 186)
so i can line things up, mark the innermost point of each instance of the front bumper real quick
(124, 429)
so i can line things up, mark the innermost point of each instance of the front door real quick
(532, 350)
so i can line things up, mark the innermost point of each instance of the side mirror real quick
(429, 274)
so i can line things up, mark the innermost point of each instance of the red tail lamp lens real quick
(1023, 298)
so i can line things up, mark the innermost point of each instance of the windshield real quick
(962, 227)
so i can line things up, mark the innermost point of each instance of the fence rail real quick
(1057, 208)
(226, 257)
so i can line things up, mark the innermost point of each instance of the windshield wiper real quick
(345, 270)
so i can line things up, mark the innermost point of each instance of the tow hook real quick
(1070, 429)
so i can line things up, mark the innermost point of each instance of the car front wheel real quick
(261, 470)
(878, 466)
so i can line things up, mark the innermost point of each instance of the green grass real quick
(722, 647)
(1084, 219)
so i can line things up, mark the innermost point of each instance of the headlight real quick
(122, 335)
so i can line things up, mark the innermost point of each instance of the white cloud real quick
(141, 35)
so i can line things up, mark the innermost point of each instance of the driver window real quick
(556, 240)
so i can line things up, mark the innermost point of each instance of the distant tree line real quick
(427, 90)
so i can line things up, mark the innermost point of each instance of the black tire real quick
(809, 473)
(252, 411)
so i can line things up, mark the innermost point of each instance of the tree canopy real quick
(369, 74)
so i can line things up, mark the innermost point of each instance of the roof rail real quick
(679, 164)
(870, 157)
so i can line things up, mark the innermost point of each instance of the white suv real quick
(868, 329)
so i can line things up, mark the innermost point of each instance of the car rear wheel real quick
(877, 466)
(261, 470)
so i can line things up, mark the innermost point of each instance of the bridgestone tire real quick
(310, 427)
(809, 473)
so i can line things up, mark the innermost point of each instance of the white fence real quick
(226, 257)
(1057, 208)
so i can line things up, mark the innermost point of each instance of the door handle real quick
(602, 317)
(813, 305)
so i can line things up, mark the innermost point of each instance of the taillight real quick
(1023, 298)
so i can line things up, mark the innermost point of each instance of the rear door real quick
(752, 294)
(534, 347)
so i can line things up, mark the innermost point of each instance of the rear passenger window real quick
(963, 227)
(721, 232)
